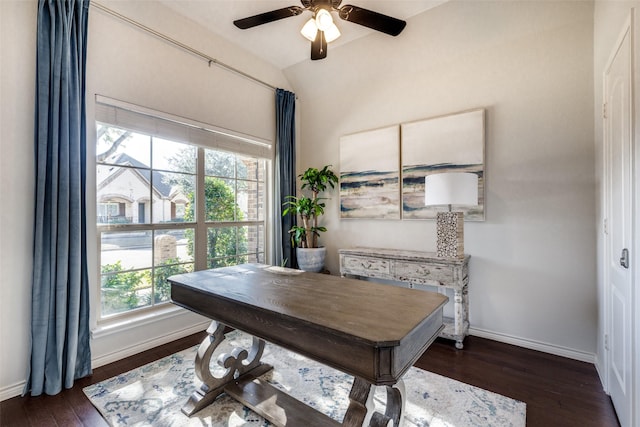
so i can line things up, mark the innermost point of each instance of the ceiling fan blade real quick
(371, 19)
(319, 47)
(265, 18)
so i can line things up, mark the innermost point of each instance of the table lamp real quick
(451, 188)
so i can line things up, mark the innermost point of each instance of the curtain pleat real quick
(285, 176)
(60, 348)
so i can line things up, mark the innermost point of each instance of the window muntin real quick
(147, 195)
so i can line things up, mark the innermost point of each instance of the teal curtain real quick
(60, 350)
(285, 175)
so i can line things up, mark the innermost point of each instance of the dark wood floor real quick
(557, 391)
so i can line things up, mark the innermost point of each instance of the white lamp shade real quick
(331, 33)
(456, 188)
(310, 30)
(323, 19)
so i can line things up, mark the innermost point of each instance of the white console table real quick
(418, 270)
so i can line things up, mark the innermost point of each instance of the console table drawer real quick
(424, 273)
(371, 267)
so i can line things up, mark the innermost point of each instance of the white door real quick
(618, 143)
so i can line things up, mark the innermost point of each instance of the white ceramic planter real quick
(311, 259)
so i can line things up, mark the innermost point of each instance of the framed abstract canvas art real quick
(452, 143)
(370, 174)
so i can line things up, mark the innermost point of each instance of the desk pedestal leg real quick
(361, 411)
(240, 363)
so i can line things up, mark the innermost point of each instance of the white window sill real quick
(113, 326)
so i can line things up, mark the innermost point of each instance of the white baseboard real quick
(535, 345)
(146, 345)
(16, 389)
(12, 390)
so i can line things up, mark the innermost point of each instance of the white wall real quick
(530, 64)
(125, 63)
(17, 91)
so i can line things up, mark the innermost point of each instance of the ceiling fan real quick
(321, 29)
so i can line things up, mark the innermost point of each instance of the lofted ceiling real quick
(280, 43)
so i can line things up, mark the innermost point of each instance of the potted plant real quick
(305, 236)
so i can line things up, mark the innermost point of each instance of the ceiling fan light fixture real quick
(310, 30)
(324, 20)
(331, 33)
(321, 29)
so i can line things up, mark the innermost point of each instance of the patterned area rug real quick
(152, 395)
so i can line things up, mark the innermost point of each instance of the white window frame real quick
(163, 125)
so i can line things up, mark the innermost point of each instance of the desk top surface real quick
(379, 314)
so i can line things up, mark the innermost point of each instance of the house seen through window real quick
(166, 207)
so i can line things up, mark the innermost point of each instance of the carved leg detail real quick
(396, 397)
(465, 303)
(240, 362)
(457, 312)
(361, 406)
(361, 411)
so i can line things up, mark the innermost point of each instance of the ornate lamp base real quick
(450, 229)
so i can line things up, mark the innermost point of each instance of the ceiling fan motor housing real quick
(312, 4)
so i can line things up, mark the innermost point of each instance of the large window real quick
(165, 207)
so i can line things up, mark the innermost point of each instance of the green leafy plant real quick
(309, 207)
(119, 288)
(162, 288)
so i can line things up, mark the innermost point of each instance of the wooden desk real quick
(416, 270)
(373, 332)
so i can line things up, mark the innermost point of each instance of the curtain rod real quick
(180, 45)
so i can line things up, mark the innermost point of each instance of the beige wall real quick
(127, 64)
(530, 64)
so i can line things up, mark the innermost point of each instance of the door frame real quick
(635, 147)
